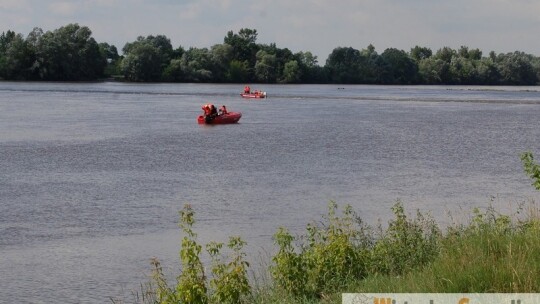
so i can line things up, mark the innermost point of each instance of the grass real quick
(473, 261)
(491, 253)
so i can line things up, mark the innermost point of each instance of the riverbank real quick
(486, 252)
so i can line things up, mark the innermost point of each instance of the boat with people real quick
(247, 93)
(212, 116)
(255, 94)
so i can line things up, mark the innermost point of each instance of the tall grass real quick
(491, 252)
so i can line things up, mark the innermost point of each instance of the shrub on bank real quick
(490, 253)
(342, 249)
(228, 282)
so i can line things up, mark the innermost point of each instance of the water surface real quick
(94, 174)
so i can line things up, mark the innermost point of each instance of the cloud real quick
(63, 8)
(317, 26)
(13, 5)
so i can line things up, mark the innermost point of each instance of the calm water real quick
(93, 175)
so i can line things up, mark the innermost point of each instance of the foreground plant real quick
(343, 249)
(330, 255)
(532, 169)
(228, 283)
(405, 244)
(492, 253)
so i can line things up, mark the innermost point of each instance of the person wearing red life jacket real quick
(247, 89)
(223, 110)
(206, 109)
(210, 112)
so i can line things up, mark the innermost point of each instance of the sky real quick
(317, 26)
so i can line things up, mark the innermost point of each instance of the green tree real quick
(306, 59)
(5, 40)
(487, 72)
(535, 63)
(220, 57)
(142, 63)
(516, 69)
(381, 71)
(16, 57)
(493, 56)
(145, 52)
(310, 71)
(178, 52)
(199, 61)
(238, 71)
(68, 53)
(445, 54)
(265, 68)
(474, 54)
(431, 69)
(343, 65)
(292, 72)
(372, 67)
(463, 52)
(464, 70)
(163, 44)
(401, 68)
(194, 66)
(282, 56)
(177, 71)
(244, 45)
(110, 53)
(420, 53)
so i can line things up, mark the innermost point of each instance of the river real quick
(93, 174)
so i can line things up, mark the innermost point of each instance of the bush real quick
(406, 243)
(330, 255)
(228, 284)
(531, 168)
(343, 249)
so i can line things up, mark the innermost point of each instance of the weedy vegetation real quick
(490, 252)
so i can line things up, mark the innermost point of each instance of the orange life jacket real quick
(207, 109)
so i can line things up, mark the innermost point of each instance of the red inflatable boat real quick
(227, 118)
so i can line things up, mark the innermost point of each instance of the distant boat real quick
(255, 94)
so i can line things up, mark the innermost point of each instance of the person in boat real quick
(222, 110)
(206, 109)
(247, 89)
(213, 110)
(209, 109)
(210, 112)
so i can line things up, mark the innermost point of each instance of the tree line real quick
(70, 53)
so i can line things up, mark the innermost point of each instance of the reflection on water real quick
(93, 175)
